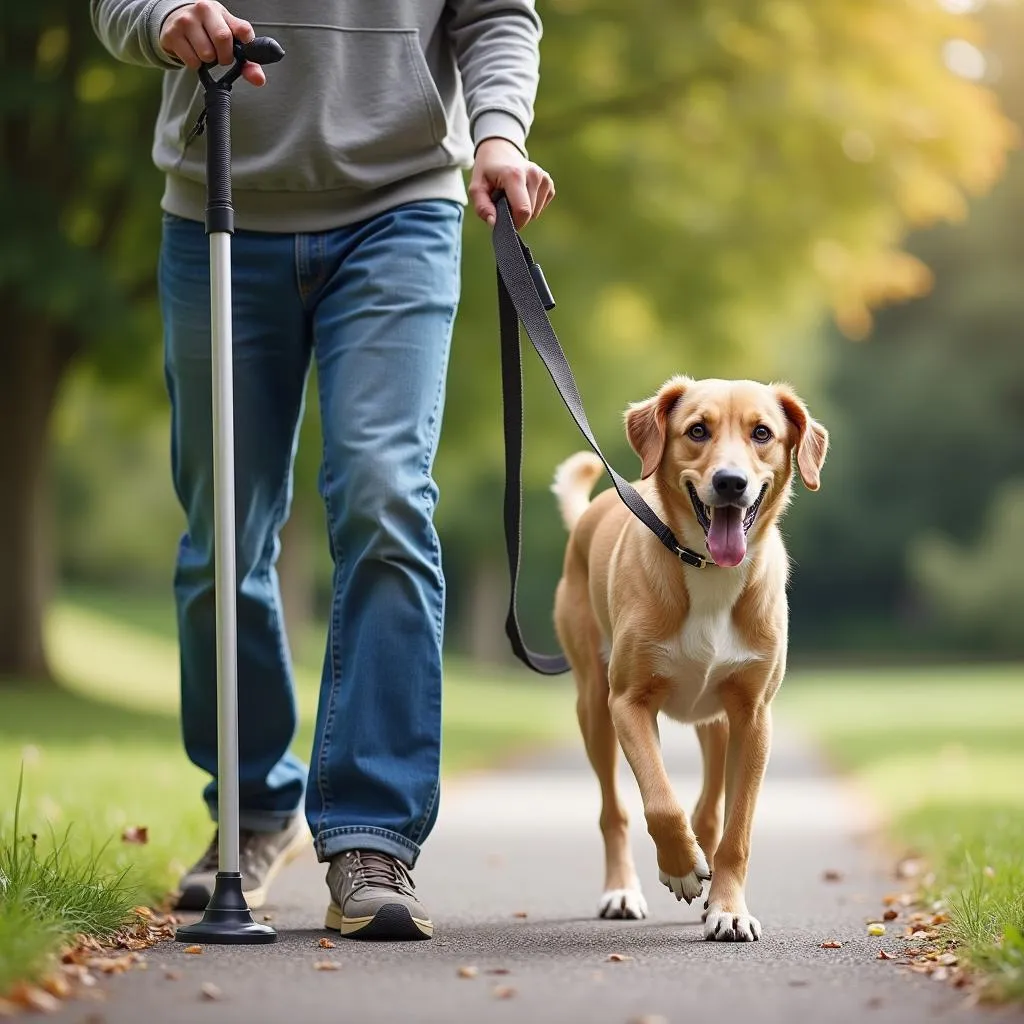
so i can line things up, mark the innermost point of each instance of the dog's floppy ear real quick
(812, 437)
(646, 423)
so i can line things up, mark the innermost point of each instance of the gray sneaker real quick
(261, 856)
(372, 898)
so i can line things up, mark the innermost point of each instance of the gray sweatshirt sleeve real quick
(130, 29)
(497, 46)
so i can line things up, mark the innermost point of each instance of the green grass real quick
(104, 752)
(941, 752)
(49, 893)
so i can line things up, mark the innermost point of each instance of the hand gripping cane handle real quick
(220, 215)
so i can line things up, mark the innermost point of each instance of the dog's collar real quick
(691, 557)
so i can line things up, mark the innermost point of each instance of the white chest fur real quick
(707, 648)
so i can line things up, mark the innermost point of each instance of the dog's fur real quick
(645, 633)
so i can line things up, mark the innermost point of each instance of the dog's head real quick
(726, 449)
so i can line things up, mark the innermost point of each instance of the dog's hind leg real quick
(622, 897)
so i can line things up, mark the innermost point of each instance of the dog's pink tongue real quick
(726, 540)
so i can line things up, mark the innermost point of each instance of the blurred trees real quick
(726, 170)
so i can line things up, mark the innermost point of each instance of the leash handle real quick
(524, 297)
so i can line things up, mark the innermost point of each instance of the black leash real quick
(524, 297)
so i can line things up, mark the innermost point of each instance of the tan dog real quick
(645, 633)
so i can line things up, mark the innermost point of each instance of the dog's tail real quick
(574, 480)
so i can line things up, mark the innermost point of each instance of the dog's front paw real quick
(725, 926)
(623, 904)
(689, 886)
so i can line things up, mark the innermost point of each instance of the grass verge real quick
(103, 754)
(940, 752)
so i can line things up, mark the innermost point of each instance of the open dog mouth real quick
(726, 526)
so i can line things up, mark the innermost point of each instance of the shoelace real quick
(380, 869)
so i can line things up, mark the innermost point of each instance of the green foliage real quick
(977, 590)
(78, 191)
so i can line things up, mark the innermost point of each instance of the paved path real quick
(525, 841)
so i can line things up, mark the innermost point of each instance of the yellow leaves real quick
(95, 84)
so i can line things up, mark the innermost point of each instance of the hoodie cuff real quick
(497, 124)
(158, 13)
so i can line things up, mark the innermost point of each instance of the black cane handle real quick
(220, 215)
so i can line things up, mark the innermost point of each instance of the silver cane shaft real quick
(224, 551)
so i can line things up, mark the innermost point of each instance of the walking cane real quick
(227, 918)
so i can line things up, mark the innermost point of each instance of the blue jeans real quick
(374, 304)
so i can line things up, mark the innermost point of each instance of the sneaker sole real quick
(196, 897)
(391, 922)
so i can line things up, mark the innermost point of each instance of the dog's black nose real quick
(729, 483)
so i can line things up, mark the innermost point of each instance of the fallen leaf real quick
(497, 970)
(137, 834)
(210, 991)
(891, 915)
(172, 975)
(948, 959)
(618, 958)
(326, 965)
(831, 944)
(32, 998)
(520, 914)
(56, 986)
(909, 867)
(831, 875)
(193, 949)
(882, 955)
(504, 992)
(940, 974)
(468, 972)
(268, 917)
(876, 928)
(940, 919)
(144, 912)
(326, 944)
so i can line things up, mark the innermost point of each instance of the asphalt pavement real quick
(512, 875)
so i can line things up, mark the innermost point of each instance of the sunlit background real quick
(826, 192)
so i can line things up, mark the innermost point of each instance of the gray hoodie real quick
(377, 102)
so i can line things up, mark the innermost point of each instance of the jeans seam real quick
(323, 785)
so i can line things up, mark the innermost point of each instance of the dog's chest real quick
(707, 648)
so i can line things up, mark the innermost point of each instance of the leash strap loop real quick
(524, 297)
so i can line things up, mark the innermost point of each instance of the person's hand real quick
(499, 165)
(203, 32)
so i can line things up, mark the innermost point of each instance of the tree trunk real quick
(31, 364)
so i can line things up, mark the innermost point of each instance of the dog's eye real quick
(761, 433)
(698, 432)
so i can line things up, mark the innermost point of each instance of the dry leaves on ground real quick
(831, 944)
(831, 875)
(504, 992)
(326, 965)
(618, 958)
(138, 834)
(467, 972)
(326, 944)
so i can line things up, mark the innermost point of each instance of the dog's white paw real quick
(623, 904)
(722, 926)
(690, 886)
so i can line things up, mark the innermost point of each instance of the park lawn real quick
(941, 751)
(103, 754)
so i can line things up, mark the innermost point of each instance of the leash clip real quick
(692, 558)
